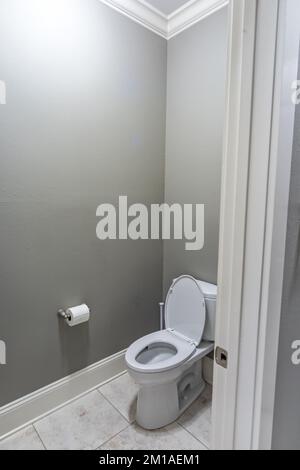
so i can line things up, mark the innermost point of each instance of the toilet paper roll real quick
(78, 315)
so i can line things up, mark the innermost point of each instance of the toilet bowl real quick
(167, 365)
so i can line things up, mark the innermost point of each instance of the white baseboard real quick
(33, 407)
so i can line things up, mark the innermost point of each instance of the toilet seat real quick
(185, 309)
(185, 314)
(182, 351)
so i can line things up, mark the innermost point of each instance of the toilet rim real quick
(184, 350)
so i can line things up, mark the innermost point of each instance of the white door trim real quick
(255, 191)
(242, 24)
(276, 221)
(258, 202)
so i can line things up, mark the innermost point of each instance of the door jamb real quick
(253, 222)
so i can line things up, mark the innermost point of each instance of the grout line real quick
(115, 435)
(38, 434)
(58, 407)
(112, 379)
(181, 425)
(191, 434)
(112, 437)
(129, 424)
(108, 400)
(33, 424)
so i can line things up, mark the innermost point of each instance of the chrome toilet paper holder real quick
(74, 316)
(63, 314)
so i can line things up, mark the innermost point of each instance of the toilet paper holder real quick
(74, 316)
(63, 314)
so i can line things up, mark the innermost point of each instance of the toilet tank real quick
(210, 295)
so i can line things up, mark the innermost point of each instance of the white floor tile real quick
(84, 424)
(122, 393)
(197, 418)
(172, 437)
(93, 421)
(27, 439)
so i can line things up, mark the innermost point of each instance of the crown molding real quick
(142, 13)
(166, 26)
(191, 13)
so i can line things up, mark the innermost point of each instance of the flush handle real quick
(221, 357)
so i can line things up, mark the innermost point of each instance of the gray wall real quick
(84, 123)
(286, 433)
(195, 118)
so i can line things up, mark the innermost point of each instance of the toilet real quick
(167, 365)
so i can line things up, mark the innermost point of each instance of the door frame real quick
(262, 63)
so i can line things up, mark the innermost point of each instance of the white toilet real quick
(167, 365)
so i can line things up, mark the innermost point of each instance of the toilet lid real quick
(185, 310)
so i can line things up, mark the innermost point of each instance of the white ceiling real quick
(167, 6)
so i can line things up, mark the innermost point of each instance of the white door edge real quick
(253, 220)
(242, 26)
(276, 222)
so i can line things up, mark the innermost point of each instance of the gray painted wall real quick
(286, 433)
(84, 123)
(195, 118)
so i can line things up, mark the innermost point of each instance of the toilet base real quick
(161, 404)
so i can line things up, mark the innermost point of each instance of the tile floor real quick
(104, 419)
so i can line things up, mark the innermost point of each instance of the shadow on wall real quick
(72, 341)
(286, 430)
